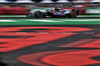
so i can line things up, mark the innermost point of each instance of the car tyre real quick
(73, 14)
(38, 14)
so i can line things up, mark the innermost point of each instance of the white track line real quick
(83, 20)
(8, 21)
(44, 20)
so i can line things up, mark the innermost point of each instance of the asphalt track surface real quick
(50, 45)
(45, 18)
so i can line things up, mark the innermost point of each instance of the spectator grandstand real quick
(48, 1)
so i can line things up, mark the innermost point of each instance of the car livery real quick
(54, 13)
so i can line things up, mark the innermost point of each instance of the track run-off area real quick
(50, 42)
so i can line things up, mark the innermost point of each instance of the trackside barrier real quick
(13, 11)
(93, 10)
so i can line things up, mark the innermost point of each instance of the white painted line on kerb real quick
(83, 20)
(44, 20)
(8, 21)
(88, 16)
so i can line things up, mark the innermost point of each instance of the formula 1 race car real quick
(53, 13)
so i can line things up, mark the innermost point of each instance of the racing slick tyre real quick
(73, 14)
(29, 15)
(38, 14)
(77, 11)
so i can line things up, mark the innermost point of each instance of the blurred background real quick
(22, 7)
(48, 1)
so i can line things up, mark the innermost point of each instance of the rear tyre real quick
(73, 14)
(38, 14)
(77, 11)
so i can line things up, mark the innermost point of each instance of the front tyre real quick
(38, 14)
(73, 14)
